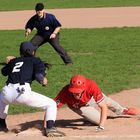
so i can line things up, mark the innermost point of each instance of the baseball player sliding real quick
(83, 94)
(21, 72)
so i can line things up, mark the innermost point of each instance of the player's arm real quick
(103, 117)
(57, 26)
(41, 79)
(4, 71)
(29, 26)
(55, 32)
(9, 58)
(99, 98)
(7, 68)
(40, 72)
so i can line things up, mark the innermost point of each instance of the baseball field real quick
(104, 48)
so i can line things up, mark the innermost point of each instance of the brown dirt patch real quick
(75, 127)
(117, 128)
(78, 18)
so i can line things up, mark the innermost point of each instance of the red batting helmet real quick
(77, 84)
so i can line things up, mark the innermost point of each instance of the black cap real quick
(39, 6)
(27, 48)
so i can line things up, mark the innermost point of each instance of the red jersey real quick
(66, 97)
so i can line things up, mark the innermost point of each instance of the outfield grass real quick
(10, 5)
(110, 56)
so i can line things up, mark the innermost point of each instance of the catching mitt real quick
(53, 132)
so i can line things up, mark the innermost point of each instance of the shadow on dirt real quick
(62, 123)
(117, 117)
(38, 124)
(73, 122)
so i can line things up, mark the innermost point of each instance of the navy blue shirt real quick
(23, 69)
(45, 26)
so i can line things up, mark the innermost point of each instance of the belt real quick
(22, 83)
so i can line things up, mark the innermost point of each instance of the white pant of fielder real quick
(22, 94)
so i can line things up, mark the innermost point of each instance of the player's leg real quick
(3, 114)
(118, 109)
(89, 113)
(34, 99)
(113, 105)
(37, 41)
(41, 101)
(60, 50)
(14, 93)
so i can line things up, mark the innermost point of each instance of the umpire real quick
(48, 28)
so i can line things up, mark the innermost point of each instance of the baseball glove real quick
(53, 132)
(9, 58)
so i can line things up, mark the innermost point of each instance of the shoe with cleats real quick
(130, 111)
(53, 132)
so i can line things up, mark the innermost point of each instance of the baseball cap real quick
(27, 48)
(39, 6)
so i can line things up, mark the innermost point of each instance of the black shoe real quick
(4, 130)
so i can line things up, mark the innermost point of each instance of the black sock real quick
(50, 124)
(2, 123)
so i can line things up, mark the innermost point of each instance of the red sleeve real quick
(60, 98)
(97, 94)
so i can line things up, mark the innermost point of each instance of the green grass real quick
(10, 5)
(110, 56)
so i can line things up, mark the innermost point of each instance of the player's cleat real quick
(130, 111)
(53, 132)
(3, 126)
(3, 129)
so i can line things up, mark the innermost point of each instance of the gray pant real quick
(37, 41)
(90, 113)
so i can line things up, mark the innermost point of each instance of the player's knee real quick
(52, 103)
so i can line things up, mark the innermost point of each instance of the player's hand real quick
(44, 82)
(99, 128)
(9, 58)
(27, 32)
(53, 35)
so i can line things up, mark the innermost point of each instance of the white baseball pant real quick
(22, 94)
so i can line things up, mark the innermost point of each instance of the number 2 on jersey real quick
(17, 67)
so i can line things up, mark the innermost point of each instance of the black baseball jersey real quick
(23, 69)
(45, 26)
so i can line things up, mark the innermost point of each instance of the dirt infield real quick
(78, 18)
(117, 127)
